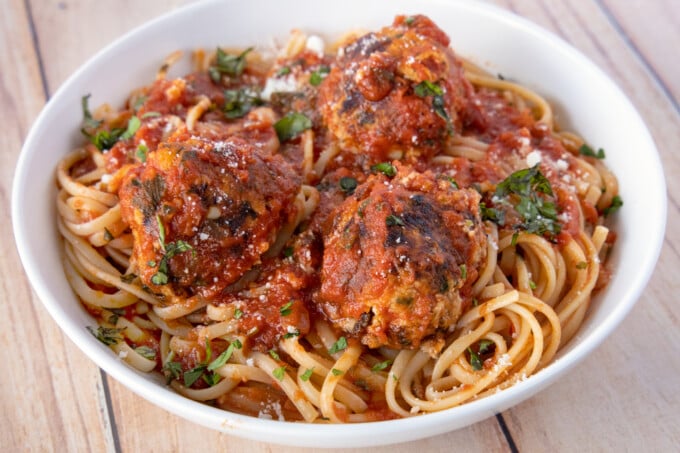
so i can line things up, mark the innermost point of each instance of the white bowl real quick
(586, 100)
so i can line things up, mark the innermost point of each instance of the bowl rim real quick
(399, 430)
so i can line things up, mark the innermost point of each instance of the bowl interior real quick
(584, 98)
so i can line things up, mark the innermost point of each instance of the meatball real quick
(400, 258)
(395, 93)
(207, 204)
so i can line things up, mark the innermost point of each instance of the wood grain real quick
(625, 396)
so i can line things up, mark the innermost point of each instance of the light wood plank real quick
(654, 31)
(48, 389)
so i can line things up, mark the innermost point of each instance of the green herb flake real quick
(115, 314)
(463, 271)
(288, 252)
(283, 71)
(146, 352)
(208, 350)
(107, 335)
(336, 372)
(226, 64)
(307, 374)
(529, 192)
(475, 361)
(237, 343)
(532, 285)
(291, 125)
(151, 115)
(317, 76)
(159, 278)
(348, 184)
(394, 220)
(222, 359)
(239, 102)
(484, 346)
(409, 20)
(279, 373)
(172, 369)
(161, 232)
(385, 168)
(338, 346)
(274, 354)
(107, 235)
(132, 127)
(292, 334)
(193, 375)
(427, 88)
(141, 152)
(287, 309)
(212, 379)
(139, 102)
(617, 202)
(586, 150)
(581, 265)
(88, 120)
(238, 313)
(380, 366)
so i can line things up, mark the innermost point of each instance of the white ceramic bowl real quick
(585, 98)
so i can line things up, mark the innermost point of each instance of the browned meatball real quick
(395, 92)
(207, 204)
(400, 258)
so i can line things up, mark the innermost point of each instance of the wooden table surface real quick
(624, 397)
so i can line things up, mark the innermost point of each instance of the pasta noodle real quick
(208, 225)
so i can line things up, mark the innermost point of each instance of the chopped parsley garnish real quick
(104, 139)
(409, 20)
(532, 285)
(453, 182)
(484, 346)
(222, 359)
(529, 192)
(381, 365)
(348, 184)
(385, 168)
(141, 152)
(280, 372)
(208, 350)
(88, 120)
(193, 374)
(427, 88)
(107, 335)
(338, 346)
(116, 313)
(617, 202)
(581, 265)
(317, 76)
(293, 334)
(139, 102)
(238, 313)
(171, 249)
(463, 271)
(586, 150)
(286, 309)
(475, 361)
(151, 115)
(336, 372)
(283, 71)
(226, 64)
(171, 368)
(239, 102)
(497, 216)
(394, 220)
(292, 125)
(146, 352)
(274, 354)
(212, 379)
(288, 252)
(307, 374)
